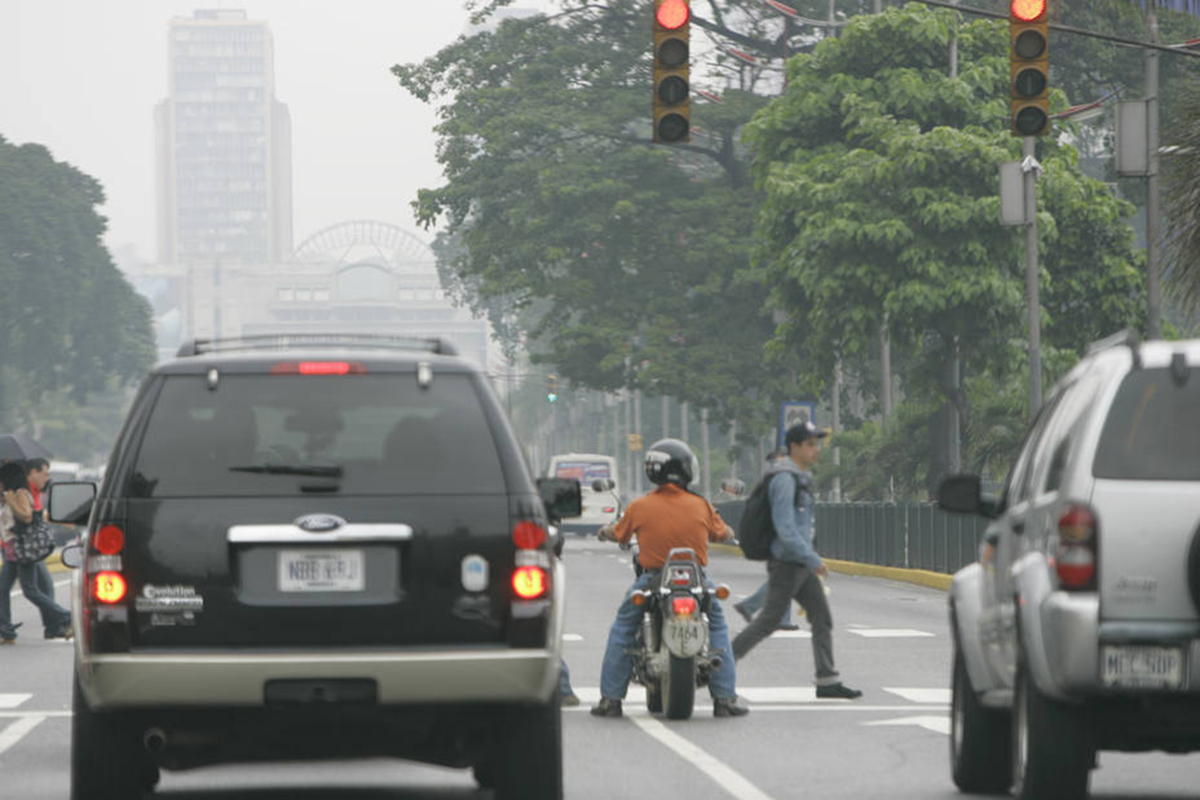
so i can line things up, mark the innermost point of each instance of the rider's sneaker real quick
(607, 708)
(728, 707)
(838, 690)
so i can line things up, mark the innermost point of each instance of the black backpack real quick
(756, 530)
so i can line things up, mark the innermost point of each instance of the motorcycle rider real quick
(670, 516)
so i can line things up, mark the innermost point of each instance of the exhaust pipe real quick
(715, 661)
(155, 740)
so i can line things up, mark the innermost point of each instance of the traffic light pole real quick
(1153, 221)
(1029, 166)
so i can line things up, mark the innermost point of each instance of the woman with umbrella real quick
(18, 511)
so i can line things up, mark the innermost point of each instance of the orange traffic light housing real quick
(1029, 58)
(672, 87)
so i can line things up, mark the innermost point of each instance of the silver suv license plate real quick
(1142, 667)
(324, 570)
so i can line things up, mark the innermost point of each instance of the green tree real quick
(879, 172)
(69, 321)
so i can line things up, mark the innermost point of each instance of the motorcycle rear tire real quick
(679, 688)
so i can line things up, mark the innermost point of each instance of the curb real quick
(920, 577)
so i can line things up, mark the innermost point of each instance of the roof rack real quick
(1125, 338)
(288, 341)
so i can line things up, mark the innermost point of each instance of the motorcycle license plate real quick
(684, 638)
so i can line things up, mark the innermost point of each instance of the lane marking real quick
(889, 633)
(632, 708)
(16, 731)
(572, 637)
(939, 697)
(13, 700)
(721, 774)
(935, 724)
(21, 714)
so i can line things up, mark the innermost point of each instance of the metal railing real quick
(909, 535)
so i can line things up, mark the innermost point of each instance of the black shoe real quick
(788, 626)
(838, 690)
(741, 609)
(607, 708)
(728, 707)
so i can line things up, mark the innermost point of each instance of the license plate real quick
(1142, 667)
(321, 571)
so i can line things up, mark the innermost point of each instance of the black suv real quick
(316, 548)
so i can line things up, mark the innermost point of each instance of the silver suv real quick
(1079, 628)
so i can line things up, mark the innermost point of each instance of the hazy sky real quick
(82, 77)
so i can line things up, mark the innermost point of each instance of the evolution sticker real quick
(169, 599)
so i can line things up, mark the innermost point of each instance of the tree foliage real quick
(69, 321)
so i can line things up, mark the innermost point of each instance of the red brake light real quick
(528, 535)
(529, 582)
(109, 587)
(318, 368)
(109, 540)
(672, 14)
(1028, 10)
(1075, 561)
(610, 509)
(683, 606)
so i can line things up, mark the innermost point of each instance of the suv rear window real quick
(259, 435)
(1153, 429)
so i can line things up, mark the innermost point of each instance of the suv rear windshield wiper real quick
(319, 470)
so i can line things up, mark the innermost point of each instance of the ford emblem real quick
(319, 523)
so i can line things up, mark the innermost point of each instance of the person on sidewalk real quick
(794, 568)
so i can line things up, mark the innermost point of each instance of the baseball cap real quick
(803, 430)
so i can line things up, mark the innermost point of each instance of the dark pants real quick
(787, 581)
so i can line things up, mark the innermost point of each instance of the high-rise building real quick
(223, 145)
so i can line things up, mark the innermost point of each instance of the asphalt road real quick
(890, 638)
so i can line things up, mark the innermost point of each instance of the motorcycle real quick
(672, 658)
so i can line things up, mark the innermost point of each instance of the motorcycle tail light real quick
(683, 606)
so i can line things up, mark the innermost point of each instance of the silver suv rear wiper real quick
(319, 470)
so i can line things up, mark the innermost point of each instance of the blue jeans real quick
(755, 601)
(564, 679)
(617, 668)
(38, 588)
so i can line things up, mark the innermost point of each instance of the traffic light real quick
(551, 388)
(672, 90)
(1028, 27)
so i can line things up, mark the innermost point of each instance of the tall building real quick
(223, 145)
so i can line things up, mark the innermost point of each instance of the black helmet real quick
(671, 461)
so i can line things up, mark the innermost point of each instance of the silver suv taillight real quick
(1075, 559)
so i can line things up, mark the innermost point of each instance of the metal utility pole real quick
(637, 428)
(1030, 167)
(704, 452)
(878, 6)
(683, 420)
(1153, 221)
(733, 459)
(837, 425)
(666, 415)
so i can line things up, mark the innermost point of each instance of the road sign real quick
(793, 413)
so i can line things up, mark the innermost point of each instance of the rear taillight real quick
(1075, 560)
(109, 540)
(318, 368)
(108, 587)
(683, 606)
(528, 535)
(610, 509)
(529, 583)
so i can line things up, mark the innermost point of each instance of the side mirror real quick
(735, 487)
(70, 502)
(962, 494)
(72, 555)
(562, 497)
(602, 485)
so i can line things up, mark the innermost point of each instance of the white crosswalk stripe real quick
(17, 730)
(13, 700)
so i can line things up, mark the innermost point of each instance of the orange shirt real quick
(670, 517)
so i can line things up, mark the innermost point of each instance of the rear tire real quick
(1052, 756)
(528, 753)
(107, 760)
(980, 738)
(679, 688)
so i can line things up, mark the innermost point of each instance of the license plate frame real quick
(1148, 667)
(321, 569)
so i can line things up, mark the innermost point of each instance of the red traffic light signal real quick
(672, 89)
(1027, 10)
